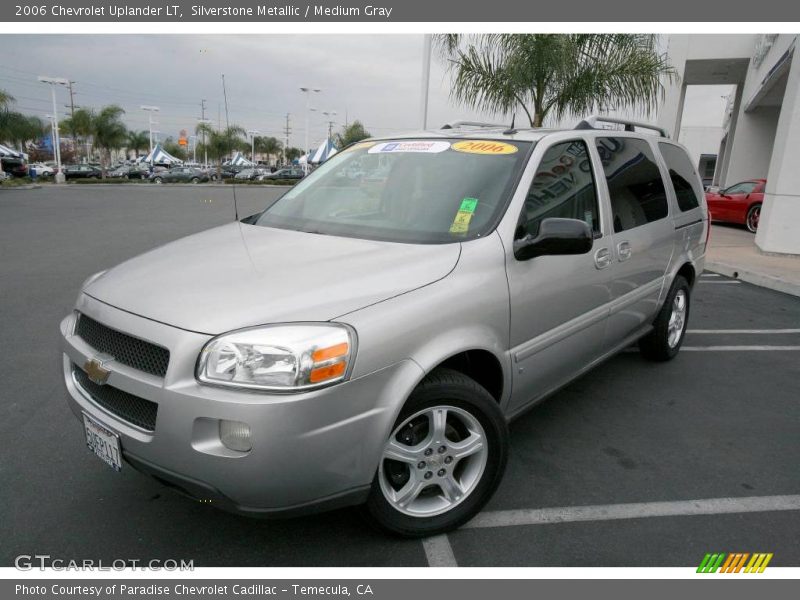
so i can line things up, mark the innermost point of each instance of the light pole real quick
(330, 114)
(426, 78)
(150, 110)
(53, 82)
(307, 91)
(253, 133)
(194, 148)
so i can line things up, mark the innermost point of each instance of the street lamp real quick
(150, 110)
(253, 133)
(330, 114)
(194, 148)
(307, 91)
(53, 82)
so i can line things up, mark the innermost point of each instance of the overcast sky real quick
(375, 79)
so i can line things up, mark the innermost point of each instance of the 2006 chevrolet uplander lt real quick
(367, 337)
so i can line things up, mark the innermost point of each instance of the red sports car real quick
(739, 203)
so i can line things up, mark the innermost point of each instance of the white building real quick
(761, 132)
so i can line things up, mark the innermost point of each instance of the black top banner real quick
(715, 11)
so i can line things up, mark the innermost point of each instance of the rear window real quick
(637, 192)
(683, 177)
(426, 191)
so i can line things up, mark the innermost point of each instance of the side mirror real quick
(556, 236)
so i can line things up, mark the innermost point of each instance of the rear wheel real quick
(443, 459)
(664, 342)
(753, 217)
(158, 180)
(195, 180)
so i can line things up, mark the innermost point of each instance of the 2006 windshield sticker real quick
(484, 147)
(409, 146)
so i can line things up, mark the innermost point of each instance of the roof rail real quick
(458, 124)
(591, 122)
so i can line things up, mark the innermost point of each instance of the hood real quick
(240, 275)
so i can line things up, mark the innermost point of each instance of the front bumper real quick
(313, 450)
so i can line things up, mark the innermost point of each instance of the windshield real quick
(414, 191)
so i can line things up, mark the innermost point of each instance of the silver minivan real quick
(367, 337)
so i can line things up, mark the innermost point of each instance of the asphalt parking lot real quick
(634, 464)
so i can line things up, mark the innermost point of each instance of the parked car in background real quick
(180, 175)
(229, 171)
(42, 170)
(251, 174)
(15, 167)
(739, 203)
(129, 172)
(292, 173)
(369, 344)
(82, 172)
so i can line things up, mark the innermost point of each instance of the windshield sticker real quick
(464, 215)
(412, 146)
(484, 147)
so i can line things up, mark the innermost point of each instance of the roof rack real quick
(591, 122)
(458, 124)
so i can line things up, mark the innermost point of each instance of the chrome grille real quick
(130, 408)
(125, 349)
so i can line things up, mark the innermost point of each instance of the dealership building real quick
(761, 132)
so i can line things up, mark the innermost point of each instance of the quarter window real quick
(563, 187)
(682, 176)
(637, 192)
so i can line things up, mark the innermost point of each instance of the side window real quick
(682, 176)
(745, 187)
(634, 181)
(563, 187)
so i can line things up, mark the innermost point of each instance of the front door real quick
(559, 304)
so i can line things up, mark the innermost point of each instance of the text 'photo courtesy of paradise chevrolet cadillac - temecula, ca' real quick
(367, 338)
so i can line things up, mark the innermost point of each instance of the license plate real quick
(104, 443)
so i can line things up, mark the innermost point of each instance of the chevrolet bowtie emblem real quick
(96, 370)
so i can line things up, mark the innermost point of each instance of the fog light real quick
(235, 435)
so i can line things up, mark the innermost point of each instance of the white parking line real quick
(439, 552)
(710, 275)
(740, 348)
(744, 331)
(607, 512)
(725, 282)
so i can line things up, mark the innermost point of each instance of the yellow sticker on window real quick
(484, 147)
(461, 222)
(361, 145)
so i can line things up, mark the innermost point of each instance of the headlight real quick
(287, 358)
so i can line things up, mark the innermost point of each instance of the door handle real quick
(602, 258)
(624, 251)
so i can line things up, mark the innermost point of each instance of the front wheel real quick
(195, 180)
(753, 217)
(443, 459)
(664, 341)
(158, 180)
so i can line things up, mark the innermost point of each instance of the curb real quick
(32, 186)
(760, 279)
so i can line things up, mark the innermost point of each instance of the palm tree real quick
(549, 75)
(80, 125)
(137, 140)
(221, 143)
(6, 100)
(109, 133)
(18, 129)
(269, 146)
(292, 153)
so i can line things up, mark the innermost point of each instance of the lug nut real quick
(421, 464)
(442, 449)
(442, 472)
(428, 474)
(428, 451)
(448, 460)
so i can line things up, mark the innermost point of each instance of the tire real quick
(753, 217)
(158, 180)
(664, 341)
(195, 180)
(474, 419)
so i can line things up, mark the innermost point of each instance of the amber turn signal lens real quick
(327, 372)
(324, 354)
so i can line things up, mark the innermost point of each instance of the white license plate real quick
(104, 443)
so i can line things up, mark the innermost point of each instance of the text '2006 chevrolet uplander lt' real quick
(366, 339)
